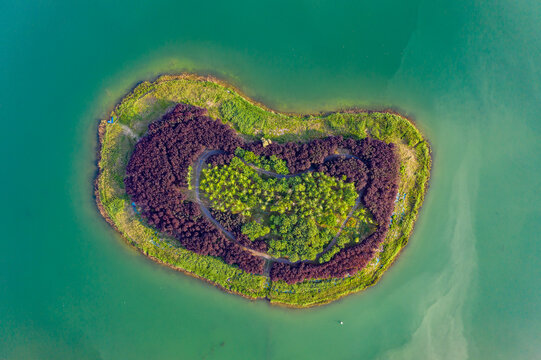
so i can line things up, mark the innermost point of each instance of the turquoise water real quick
(466, 287)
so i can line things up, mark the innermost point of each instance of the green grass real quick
(149, 101)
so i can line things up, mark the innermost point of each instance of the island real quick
(298, 209)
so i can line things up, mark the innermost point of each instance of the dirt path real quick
(129, 132)
(266, 269)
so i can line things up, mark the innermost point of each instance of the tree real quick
(255, 230)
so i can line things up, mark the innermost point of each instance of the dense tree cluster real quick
(380, 191)
(304, 211)
(233, 223)
(272, 163)
(158, 168)
(300, 238)
(254, 230)
(299, 156)
(239, 188)
(220, 159)
(157, 171)
(353, 169)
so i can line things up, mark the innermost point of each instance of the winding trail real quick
(200, 163)
(129, 132)
(269, 259)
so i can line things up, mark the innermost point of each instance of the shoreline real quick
(213, 78)
(210, 78)
(109, 221)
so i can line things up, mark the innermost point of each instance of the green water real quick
(468, 284)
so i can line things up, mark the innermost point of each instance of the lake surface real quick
(466, 287)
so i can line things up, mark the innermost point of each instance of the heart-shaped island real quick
(300, 210)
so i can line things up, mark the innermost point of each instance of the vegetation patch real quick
(300, 214)
(317, 208)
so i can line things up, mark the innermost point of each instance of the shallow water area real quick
(466, 286)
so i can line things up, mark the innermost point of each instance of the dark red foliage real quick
(158, 168)
(378, 198)
(233, 223)
(299, 156)
(354, 169)
(157, 171)
(220, 159)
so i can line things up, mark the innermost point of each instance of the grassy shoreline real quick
(150, 100)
